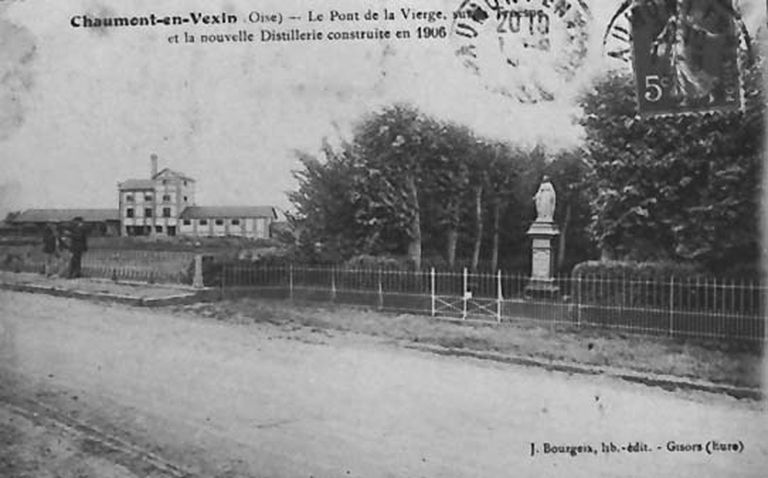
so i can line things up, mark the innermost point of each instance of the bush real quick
(663, 286)
(633, 284)
(369, 262)
(636, 270)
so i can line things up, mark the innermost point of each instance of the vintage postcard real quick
(383, 238)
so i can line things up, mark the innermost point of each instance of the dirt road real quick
(126, 392)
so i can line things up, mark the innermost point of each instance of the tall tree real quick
(504, 173)
(481, 162)
(325, 206)
(684, 187)
(393, 145)
(449, 167)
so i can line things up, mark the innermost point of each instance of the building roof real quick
(167, 173)
(170, 173)
(137, 184)
(207, 212)
(64, 215)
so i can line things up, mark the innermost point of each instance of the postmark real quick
(528, 50)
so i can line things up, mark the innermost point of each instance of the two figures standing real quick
(64, 248)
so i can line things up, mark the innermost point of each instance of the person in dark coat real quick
(78, 244)
(50, 248)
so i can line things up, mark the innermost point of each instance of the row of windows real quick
(148, 212)
(218, 222)
(187, 222)
(129, 197)
(148, 197)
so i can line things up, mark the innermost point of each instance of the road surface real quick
(130, 392)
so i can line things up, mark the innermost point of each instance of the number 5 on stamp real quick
(685, 56)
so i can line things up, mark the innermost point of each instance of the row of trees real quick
(683, 188)
(408, 184)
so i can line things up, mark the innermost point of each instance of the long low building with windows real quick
(100, 222)
(245, 221)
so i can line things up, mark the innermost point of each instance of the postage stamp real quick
(685, 55)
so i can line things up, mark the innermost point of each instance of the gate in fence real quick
(466, 303)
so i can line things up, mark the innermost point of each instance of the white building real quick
(164, 205)
(244, 221)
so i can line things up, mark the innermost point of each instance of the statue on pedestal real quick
(542, 232)
(545, 201)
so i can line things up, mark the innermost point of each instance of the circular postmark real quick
(525, 49)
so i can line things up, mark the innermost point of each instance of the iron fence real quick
(700, 307)
(169, 267)
(123, 265)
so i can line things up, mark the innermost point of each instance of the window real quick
(187, 222)
(148, 212)
(166, 212)
(185, 183)
(158, 229)
(203, 222)
(129, 212)
(235, 222)
(185, 198)
(165, 181)
(166, 197)
(129, 198)
(147, 197)
(219, 222)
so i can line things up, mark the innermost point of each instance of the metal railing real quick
(700, 307)
(123, 265)
(138, 265)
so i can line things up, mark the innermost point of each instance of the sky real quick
(82, 109)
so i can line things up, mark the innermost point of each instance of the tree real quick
(393, 145)
(449, 168)
(325, 203)
(503, 179)
(11, 216)
(681, 187)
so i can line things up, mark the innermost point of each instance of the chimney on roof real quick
(153, 161)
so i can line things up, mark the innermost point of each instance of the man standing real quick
(78, 245)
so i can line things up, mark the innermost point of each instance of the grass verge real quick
(724, 364)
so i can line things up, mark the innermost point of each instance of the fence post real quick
(222, 286)
(578, 300)
(432, 289)
(381, 291)
(465, 296)
(333, 284)
(290, 281)
(671, 304)
(197, 279)
(499, 296)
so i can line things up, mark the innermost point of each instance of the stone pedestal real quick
(542, 281)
